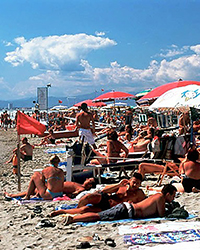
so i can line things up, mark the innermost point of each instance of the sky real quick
(83, 46)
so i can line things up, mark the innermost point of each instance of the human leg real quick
(149, 168)
(81, 210)
(94, 198)
(87, 217)
(37, 182)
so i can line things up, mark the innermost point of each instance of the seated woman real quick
(114, 148)
(140, 143)
(47, 184)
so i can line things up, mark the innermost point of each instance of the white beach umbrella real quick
(59, 107)
(183, 96)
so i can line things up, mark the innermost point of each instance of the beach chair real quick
(170, 169)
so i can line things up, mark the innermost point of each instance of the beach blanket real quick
(163, 238)
(155, 227)
(191, 216)
(55, 151)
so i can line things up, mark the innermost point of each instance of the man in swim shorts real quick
(190, 171)
(111, 195)
(83, 120)
(26, 153)
(149, 207)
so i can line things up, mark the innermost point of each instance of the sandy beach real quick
(18, 223)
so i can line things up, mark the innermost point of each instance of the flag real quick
(29, 125)
(59, 101)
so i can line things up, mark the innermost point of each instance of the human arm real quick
(161, 206)
(93, 124)
(114, 187)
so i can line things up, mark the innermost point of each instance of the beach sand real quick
(18, 223)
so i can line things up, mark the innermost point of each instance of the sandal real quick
(110, 242)
(83, 245)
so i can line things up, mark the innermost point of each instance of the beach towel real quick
(163, 238)
(191, 216)
(155, 227)
(55, 151)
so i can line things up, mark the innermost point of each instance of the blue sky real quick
(80, 46)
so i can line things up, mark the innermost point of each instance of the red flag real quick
(60, 101)
(29, 125)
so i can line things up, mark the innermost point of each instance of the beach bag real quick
(77, 148)
(179, 213)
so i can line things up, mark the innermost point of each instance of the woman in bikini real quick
(47, 184)
(114, 149)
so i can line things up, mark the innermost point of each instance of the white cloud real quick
(100, 33)
(173, 51)
(56, 52)
(115, 76)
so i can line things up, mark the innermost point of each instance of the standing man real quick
(83, 120)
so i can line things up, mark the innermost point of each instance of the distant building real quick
(10, 106)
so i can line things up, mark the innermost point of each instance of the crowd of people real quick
(125, 199)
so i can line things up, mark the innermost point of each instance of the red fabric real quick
(91, 104)
(60, 101)
(110, 96)
(155, 93)
(70, 127)
(29, 125)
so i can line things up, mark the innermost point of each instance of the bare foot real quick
(68, 219)
(195, 190)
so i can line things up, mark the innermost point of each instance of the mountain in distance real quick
(52, 101)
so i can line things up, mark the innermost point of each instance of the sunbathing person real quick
(145, 168)
(190, 171)
(151, 207)
(26, 153)
(49, 139)
(140, 143)
(184, 123)
(72, 189)
(125, 190)
(114, 149)
(47, 184)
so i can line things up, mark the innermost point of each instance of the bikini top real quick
(53, 177)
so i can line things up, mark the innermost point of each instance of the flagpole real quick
(18, 163)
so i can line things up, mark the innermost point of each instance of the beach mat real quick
(164, 237)
(191, 216)
(55, 151)
(157, 227)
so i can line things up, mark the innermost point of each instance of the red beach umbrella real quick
(90, 103)
(155, 93)
(112, 96)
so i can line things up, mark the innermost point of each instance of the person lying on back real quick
(152, 206)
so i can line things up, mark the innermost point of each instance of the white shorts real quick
(88, 136)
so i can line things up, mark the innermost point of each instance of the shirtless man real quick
(83, 120)
(151, 207)
(114, 149)
(184, 123)
(125, 190)
(190, 171)
(26, 153)
(140, 143)
(72, 189)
